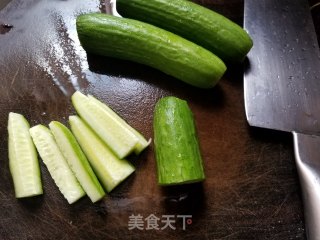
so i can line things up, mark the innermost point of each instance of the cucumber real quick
(110, 170)
(119, 139)
(140, 42)
(77, 161)
(23, 158)
(196, 23)
(176, 144)
(142, 142)
(56, 163)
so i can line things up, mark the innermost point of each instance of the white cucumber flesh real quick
(110, 170)
(23, 158)
(77, 161)
(56, 163)
(142, 142)
(119, 139)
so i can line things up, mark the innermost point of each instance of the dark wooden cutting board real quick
(251, 190)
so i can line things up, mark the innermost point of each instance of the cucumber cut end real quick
(29, 194)
(142, 146)
(180, 182)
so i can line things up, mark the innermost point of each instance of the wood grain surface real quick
(251, 189)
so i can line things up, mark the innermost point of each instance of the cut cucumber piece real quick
(142, 142)
(23, 158)
(110, 170)
(119, 139)
(176, 144)
(56, 163)
(77, 161)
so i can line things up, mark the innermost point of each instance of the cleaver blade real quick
(282, 87)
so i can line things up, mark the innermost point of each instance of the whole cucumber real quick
(176, 144)
(194, 22)
(146, 44)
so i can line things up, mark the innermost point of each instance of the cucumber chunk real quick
(119, 139)
(176, 144)
(77, 161)
(110, 170)
(56, 163)
(142, 142)
(23, 158)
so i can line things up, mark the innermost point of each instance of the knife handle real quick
(307, 155)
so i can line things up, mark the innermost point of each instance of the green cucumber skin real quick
(23, 159)
(177, 149)
(194, 22)
(140, 42)
(77, 161)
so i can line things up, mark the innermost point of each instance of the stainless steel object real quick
(282, 87)
(111, 7)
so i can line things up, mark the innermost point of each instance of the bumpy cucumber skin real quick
(23, 159)
(77, 161)
(140, 42)
(176, 144)
(194, 22)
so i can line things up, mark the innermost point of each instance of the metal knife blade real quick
(282, 87)
(282, 82)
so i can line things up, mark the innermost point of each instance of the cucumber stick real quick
(196, 23)
(119, 139)
(110, 170)
(23, 159)
(142, 142)
(176, 145)
(77, 161)
(140, 42)
(56, 163)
